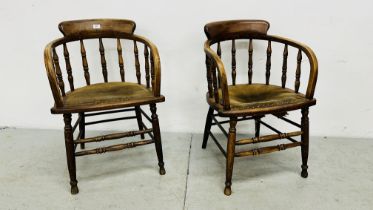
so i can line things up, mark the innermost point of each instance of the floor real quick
(33, 175)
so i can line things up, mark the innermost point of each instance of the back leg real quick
(82, 128)
(207, 127)
(139, 120)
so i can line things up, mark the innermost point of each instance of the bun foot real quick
(227, 191)
(162, 171)
(304, 174)
(74, 190)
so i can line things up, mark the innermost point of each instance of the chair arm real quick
(49, 66)
(312, 60)
(156, 64)
(221, 71)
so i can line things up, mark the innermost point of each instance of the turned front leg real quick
(305, 142)
(157, 138)
(230, 155)
(70, 153)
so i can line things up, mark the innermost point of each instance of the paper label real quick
(96, 26)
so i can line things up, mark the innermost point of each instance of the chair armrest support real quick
(221, 71)
(49, 66)
(312, 60)
(157, 64)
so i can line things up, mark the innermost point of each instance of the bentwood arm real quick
(156, 64)
(216, 61)
(49, 66)
(311, 57)
(51, 71)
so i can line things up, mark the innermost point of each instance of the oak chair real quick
(253, 101)
(104, 97)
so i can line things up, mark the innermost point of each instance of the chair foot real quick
(304, 172)
(74, 188)
(227, 190)
(162, 171)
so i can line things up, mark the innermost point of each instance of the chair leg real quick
(207, 127)
(230, 155)
(257, 127)
(305, 142)
(139, 120)
(82, 128)
(70, 153)
(157, 138)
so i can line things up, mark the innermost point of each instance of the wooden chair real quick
(253, 101)
(104, 97)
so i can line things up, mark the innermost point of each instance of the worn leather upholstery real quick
(111, 95)
(247, 98)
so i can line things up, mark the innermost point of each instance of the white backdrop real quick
(340, 32)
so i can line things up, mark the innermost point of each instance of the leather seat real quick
(249, 99)
(108, 95)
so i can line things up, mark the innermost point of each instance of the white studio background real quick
(340, 33)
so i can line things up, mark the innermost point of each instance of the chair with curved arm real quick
(103, 97)
(253, 101)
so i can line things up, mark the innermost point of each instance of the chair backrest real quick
(96, 27)
(114, 29)
(233, 30)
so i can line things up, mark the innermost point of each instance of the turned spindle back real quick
(252, 31)
(102, 30)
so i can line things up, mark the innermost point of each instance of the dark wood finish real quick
(305, 142)
(207, 127)
(85, 63)
(139, 120)
(268, 138)
(96, 28)
(120, 60)
(250, 72)
(157, 138)
(82, 128)
(257, 127)
(265, 150)
(113, 148)
(254, 101)
(58, 72)
(152, 72)
(112, 136)
(234, 29)
(284, 66)
(103, 60)
(105, 97)
(234, 62)
(68, 67)
(209, 77)
(215, 83)
(297, 72)
(69, 144)
(218, 50)
(147, 76)
(268, 63)
(137, 63)
(230, 155)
